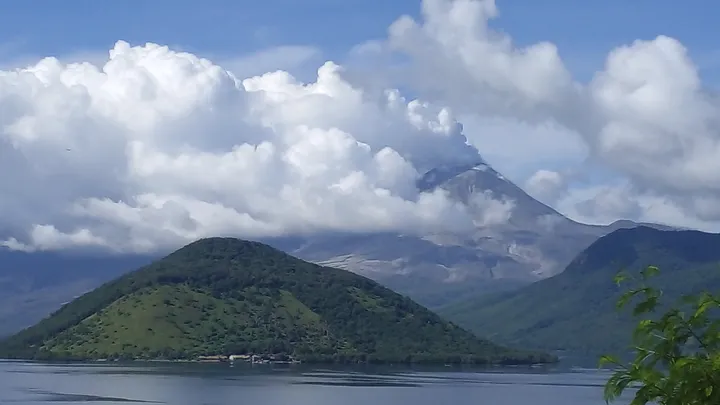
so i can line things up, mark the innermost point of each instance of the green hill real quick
(576, 310)
(222, 296)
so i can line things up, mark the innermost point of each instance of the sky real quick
(136, 125)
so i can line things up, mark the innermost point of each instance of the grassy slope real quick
(576, 309)
(223, 295)
(182, 320)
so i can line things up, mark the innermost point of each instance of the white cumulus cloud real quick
(546, 185)
(156, 147)
(645, 115)
(151, 147)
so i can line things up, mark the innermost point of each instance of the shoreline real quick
(299, 367)
(286, 362)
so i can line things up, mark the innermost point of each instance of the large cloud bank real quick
(158, 147)
(155, 147)
(645, 115)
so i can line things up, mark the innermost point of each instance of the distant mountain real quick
(575, 310)
(34, 284)
(435, 269)
(222, 296)
(535, 243)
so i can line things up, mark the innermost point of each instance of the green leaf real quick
(626, 297)
(643, 330)
(705, 303)
(677, 355)
(649, 271)
(646, 306)
(620, 277)
(608, 359)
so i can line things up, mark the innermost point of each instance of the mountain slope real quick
(576, 310)
(536, 242)
(225, 295)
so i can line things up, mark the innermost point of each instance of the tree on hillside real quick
(677, 353)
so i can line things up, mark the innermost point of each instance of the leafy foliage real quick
(576, 310)
(224, 295)
(677, 355)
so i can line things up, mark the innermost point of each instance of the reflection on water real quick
(211, 384)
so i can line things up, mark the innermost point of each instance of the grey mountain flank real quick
(536, 242)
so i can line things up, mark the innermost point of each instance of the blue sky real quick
(583, 30)
(220, 26)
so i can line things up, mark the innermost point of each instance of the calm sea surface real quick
(206, 384)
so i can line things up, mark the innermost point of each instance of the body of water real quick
(212, 384)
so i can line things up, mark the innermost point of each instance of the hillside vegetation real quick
(229, 296)
(576, 310)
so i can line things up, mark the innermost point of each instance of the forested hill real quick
(230, 296)
(576, 310)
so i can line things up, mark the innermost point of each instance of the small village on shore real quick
(234, 358)
(249, 358)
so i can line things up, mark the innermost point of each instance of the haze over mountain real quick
(533, 243)
(32, 285)
(223, 296)
(527, 243)
(576, 309)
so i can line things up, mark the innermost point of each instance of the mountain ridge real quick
(575, 310)
(224, 295)
(535, 243)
